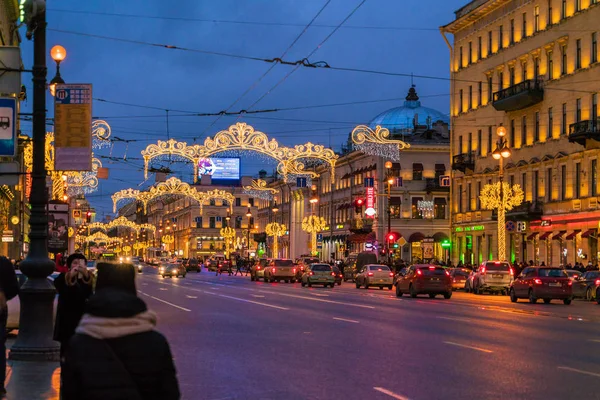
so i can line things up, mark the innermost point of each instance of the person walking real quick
(9, 288)
(74, 288)
(115, 353)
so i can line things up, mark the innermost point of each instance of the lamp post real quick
(501, 152)
(58, 54)
(249, 215)
(34, 341)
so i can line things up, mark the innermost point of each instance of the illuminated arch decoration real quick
(172, 186)
(258, 188)
(276, 230)
(122, 222)
(97, 225)
(147, 227)
(101, 131)
(124, 195)
(216, 194)
(243, 137)
(376, 142)
(100, 237)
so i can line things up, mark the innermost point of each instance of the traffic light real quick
(88, 217)
(446, 244)
(358, 205)
(391, 237)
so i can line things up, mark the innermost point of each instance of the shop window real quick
(396, 207)
(439, 208)
(415, 209)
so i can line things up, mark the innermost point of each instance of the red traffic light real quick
(89, 214)
(391, 237)
(359, 202)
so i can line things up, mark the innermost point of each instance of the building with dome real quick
(418, 205)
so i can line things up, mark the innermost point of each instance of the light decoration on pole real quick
(168, 239)
(276, 230)
(313, 224)
(425, 208)
(377, 143)
(258, 188)
(228, 234)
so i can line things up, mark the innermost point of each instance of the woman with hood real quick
(116, 354)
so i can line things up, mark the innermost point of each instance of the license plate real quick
(435, 279)
(497, 276)
(555, 284)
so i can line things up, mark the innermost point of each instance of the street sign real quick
(521, 226)
(546, 222)
(369, 182)
(8, 130)
(319, 237)
(510, 226)
(445, 180)
(10, 81)
(301, 182)
(73, 127)
(370, 210)
(401, 241)
(9, 173)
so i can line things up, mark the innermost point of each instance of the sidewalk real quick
(29, 380)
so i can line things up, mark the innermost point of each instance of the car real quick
(425, 279)
(319, 274)
(494, 277)
(585, 286)
(338, 275)
(257, 271)
(470, 279)
(172, 270)
(302, 263)
(352, 268)
(544, 283)
(216, 261)
(574, 274)
(375, 275)
(459, 277)
(192, 265)
(280, 269)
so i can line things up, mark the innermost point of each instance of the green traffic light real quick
(446, 244)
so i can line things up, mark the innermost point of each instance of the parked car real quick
(319, 274)
(494, 277)
(338, 275)
(585, 286)
(257, 271)
(375, 275)
(362, 259)
(425, 279)
(172, 270)
(280, 269)
(544, 283)
(459, 277)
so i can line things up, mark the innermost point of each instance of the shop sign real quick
(546, 222)
(370, 211)
(469, 228)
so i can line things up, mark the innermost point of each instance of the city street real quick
(237, 339)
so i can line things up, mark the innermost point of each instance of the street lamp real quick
(58, 54)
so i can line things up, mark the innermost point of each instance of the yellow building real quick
(532, 67)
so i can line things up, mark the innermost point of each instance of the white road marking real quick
(469, 347)
(162, 288)
(258, 295)
(594, 340)
(320, 295)
(456, 319)
(346, 320)
(321, 300)
(248, 301)
(166, 302)
(580, 371)
(390, 393)
(191, 297)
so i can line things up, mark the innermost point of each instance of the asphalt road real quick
(237, 339)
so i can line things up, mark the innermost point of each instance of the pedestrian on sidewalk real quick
(116, 353)
(74, 288)
(9, 288)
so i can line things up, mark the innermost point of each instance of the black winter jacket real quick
(70, 307)
(133, 366)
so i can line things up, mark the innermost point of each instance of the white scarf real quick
(109, 328)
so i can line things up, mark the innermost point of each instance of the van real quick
(353, 265)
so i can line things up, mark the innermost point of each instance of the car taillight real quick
(597, 282)
(419, 272)
(570, 283)
(370, 274)
(333, 274)
(447, 273)
(311, 273)
(391, 274)
(431, 267)
(537, 281)
(453, 280)
(294, 270)
(258, 268)
(273, 270)
(483, 270)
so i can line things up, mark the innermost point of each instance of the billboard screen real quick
(220, 168)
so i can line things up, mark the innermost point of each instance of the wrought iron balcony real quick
(527, 211)
(583, 131)
(463, 162)
(519, 96)
(433, 185)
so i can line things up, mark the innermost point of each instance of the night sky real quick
(381, 35)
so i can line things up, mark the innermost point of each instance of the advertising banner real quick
(58, 227)
(8, 131)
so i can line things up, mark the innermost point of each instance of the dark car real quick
(172, 270)
(426, 279)
(542, 283)
(459, 277)
(585, 286)
(362, 259)
(338, 275)
(192, 265)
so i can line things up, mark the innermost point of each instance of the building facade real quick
(530, 66)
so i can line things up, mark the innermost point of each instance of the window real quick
(460, 145)
(550, 65)
(563, 122)
(500, 36)
(469, 202)
(198, 222)
(479, 142)
(594, 177)
(511, 180)
(512, 32)
(460, 101)
(563, 60)
(439, 208)
(212, 222)
(578, 54)
(550, 132)
(578, 110)
(440, 169)
(511, 76)
(536, 68)
(470, 106)
(577, 5)
(489, 150)
(511, 134)
(460, 57)
(460, 197)
(524, 185)
(594, 107)
(223, 222)
(577, 183)
(550, 11)
(536, 18)
(238, 202)
(490, 86)
(212, 202)
(478, 195)
(470, 60)
(417, 171)
(490, 49)
(396, 207)
(524, 27)
(536, 132)
(501, 80)
(479, 93)
(534, 186)
(594, 50)
(524, 71)
(524, 130)
(479, 54)
(251, 202)
(563, 182)
(549, 184)
(238, 223)
(415, 208)
(563, 9)
(470, 143)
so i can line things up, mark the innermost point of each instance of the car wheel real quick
(357, 285)
(390, 287)
(513, 296)
(302, 284)
(292, 280)
(532, 298)
(309, 284)
(588, 294)
(447, 295)
(432, 295)
(332, 285)
(339, 283)
(251, 278)
(183, 276)
(567, 301)
(163, 277)
(413, 292)
(366, 284)
(380, 287)
(547, 301)
(398, 292)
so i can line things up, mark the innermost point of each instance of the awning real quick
(545, 235)
(588, 233)
(572, 235)
(362, 237)
(417, 167)
(416, 237)
(559, 235)
(532, 236)
(440, 237)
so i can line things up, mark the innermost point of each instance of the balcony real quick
(464, 162)
(519, 96)
(585, 133)
(361, 225)
(433, 185)
(527, 211)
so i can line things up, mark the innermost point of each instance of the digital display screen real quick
(220, 168)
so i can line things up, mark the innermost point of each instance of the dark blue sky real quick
(185, 80)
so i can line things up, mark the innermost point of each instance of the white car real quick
(375, 275)
(14, 305)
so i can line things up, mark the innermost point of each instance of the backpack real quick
(8, 279)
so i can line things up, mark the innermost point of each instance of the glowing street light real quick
(58, 54)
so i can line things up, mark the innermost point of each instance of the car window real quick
(552, 273)
(593, 274)
(460, 272)
(308, 261)
(336, 270)
(430, 271)
(283, 263)
(492, 266)
(321, 267)
(530, 273)
(379, 268)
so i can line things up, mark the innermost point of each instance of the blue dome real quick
(405, 119)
